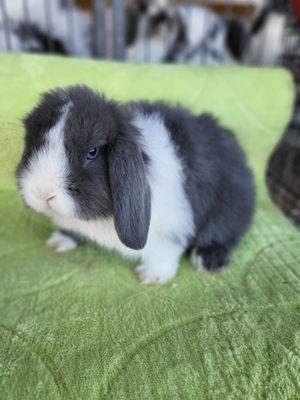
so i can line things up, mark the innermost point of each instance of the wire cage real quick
(199, 32)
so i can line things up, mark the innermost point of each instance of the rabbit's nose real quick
(48, 197)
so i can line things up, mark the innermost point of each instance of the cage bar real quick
(119, 29)
(99, 29)
(49, 25)
(26, 13)
(70, 22)
(7, 37)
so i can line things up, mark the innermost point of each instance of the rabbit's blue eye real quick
(92, 153)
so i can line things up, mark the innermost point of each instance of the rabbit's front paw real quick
(60, 242)
(150, 275)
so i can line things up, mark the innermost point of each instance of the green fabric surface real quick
(80, 326)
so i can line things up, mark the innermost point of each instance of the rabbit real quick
(148, 180)
(192, 33)
(44, 27)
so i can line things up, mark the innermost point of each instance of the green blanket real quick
(80, 326)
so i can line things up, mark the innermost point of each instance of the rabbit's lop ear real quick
(130, 192)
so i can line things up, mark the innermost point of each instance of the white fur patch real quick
(46, 175)
(60, 242)
(101, 231)
(155, 276)
(171, 214)
(160, 261)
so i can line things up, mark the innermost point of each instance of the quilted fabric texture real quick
(80, 325)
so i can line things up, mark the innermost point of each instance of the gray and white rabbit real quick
(148, 180)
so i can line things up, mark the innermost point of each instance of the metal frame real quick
(99, 44)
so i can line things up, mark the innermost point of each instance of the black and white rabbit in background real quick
(188, 33)
(157, 31)
(148, 180)
(36, 31)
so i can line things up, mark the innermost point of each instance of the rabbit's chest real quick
(100, 231)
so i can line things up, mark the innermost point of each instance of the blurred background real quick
(191, 32)
(201, 32)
